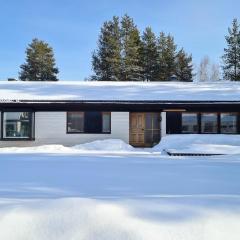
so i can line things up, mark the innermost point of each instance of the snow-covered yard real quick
(117, 195)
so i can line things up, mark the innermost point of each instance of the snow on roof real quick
(119, 91)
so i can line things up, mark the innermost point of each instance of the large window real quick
(228, 123)
(75, 122)
(200, 122)
(189, 123)
(17, 125)
(88, 122)
(209, 123)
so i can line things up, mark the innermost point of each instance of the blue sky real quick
(72, 27)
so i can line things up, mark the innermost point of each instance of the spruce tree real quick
(166, 57)
(131, 52)
(231, 57)
(170, 57)
(162, 66)
(184, 67)
(106, 61)
(149, 55)
(40, 63)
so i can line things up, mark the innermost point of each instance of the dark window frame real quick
(199, 114)
(84, 132)
(237, 122)
(198, 122)
(67, 119)
(32, 125)
(218, 122)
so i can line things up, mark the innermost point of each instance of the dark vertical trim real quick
(238, 122)
(1, 125)
(219, 122)
(32, 122)
(66, 124)
(66, 117)
(199, 123)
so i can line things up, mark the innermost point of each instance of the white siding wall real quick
(50, 128)
(163, 124)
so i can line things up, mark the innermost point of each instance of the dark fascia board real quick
(71, 105)
(117, 101)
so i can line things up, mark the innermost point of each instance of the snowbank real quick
(184, 143)
(138, 91)
(200, 143)
(105, 145)
(102, 146)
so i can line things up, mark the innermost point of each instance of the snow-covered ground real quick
(118, 194)
(105, 91)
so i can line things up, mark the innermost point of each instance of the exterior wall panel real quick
(50, 128)
(163, 124)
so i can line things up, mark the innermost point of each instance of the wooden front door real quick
(137, 126)
(144, 129)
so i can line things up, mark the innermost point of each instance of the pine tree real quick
(131, 52)
(40, 63)
(149, 55)
(106, 60)
(231, 57)
(184, 67)
(167, 57)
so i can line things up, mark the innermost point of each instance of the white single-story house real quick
(139, 113)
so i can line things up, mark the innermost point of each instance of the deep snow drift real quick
(119, 193)
(82, 197)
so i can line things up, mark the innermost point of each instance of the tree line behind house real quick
(123, 54)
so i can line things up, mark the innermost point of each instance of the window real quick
(17, 125)
(228, 123)
(75, 122)
(106, 122)
(189, 123)
(89, 122)
(209, 123)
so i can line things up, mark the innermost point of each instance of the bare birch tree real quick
(203, 72)
(215, 73)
